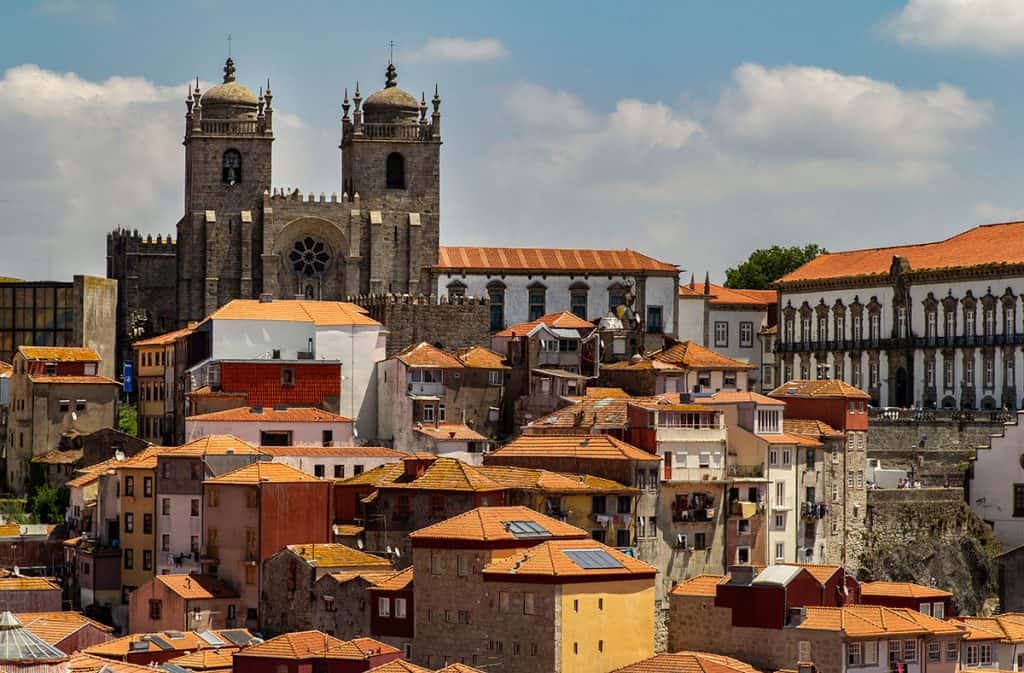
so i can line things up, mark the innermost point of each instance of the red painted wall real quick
(834, 411)
(261, 383)
(758, 607)
(392, 626)
(293, 514)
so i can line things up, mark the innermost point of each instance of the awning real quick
(747, 509)
(425, 398)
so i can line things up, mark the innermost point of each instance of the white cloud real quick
(456, 50)
(986, 25)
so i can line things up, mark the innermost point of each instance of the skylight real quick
(526, 529)
(593, 559)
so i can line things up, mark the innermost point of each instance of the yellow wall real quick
(138, 541)
(625, 625)
(579, 509)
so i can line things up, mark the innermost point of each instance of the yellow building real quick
(136, 488)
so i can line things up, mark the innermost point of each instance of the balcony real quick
(746, 471)
(705, 515)
(229, 128)
(668, 433)
(811, 511)
(396, 131)
(430, 389)
(695, 474)
(693, 508)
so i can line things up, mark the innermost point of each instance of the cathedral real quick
(240, 237)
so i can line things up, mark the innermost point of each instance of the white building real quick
(997, 485)
(729, 321)
(289, 329)
(274, 426)
(523, 284)
(334, 462)
(935, 324)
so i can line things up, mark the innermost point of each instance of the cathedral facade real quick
(240, 237)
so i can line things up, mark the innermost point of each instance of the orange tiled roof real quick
(599, 392)
(378, 476)
(261, 472)
(691, 355)
(372, 577)
(901, 590)
(788, 438)
(58, 457)
(640, 363)
(360, 649)
(321, 313)
(1008, 627)
(334, 451)
(740, 396)
(489, 524)
(688, 662)
(559, 320)
(81, 662)
(552, 482)
(193, 587)
(6, 369)
(490, 260)
(823, 573)
(602, 447)
(719, 295)
(458, 668)
(206, 660)
(875, 621)
(400, 581)
(450, 432)
(479, 357)
(295, 645)
(550, 559)
(54, 627)
(989, 245)
(399, 666)
(27, 584)
(120, 647)
(143, 460)
(425, 355)
(74, 380)
(822, 388)
(449, 474)
(165, 339)
(214, 445)
(347, 529)
(334, 555)
(272, 415)
(700, 585)
(59, 353)
(810, 427)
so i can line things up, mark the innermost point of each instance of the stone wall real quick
(146, 274)
(457, 323)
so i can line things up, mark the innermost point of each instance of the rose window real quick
(309, 257)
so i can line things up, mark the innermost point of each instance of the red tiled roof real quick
(818, 389)
(74, 380)
(425, 355)
(295, 645)
(900, 590)
(261, 472)
(490, 260)
(164, 339)
(193, 587)
(989, 245)
(699, 585)
(321, 313)
(479, 357)
(688, 662)
(549, 559)
(738, 396)
(313, 382)
(810, 427)
(604, 447)
(59, 353)
(724, 296)
(489, 524)
(272, 415)
(560, 320)
(450, 432)
(334, 451)
(690, 355)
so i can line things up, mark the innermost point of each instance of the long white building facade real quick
(936, 324)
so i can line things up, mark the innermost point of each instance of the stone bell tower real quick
(228, 137)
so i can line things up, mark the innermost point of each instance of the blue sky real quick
(690, 131)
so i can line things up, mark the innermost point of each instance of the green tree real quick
(48, 504)
(767, 265)
(128, 420)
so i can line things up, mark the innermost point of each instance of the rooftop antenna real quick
(391, 52)
(229, 45)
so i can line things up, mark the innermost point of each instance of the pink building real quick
(181, 603)
(29, 594)
(274, 426)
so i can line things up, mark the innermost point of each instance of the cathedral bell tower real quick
(391, 158)
(228, 136)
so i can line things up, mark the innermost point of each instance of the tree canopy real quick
(767, 265)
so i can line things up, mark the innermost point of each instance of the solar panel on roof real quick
(237, 636)
(526, 529)
(210, 638)
(139, 646)
(174, 635)
(593, 559)
(161, 643)
(174, 668)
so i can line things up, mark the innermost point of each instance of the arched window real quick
(231, 167)
(395, 171)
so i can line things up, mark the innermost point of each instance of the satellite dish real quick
(398, 552)
(74, 416)
(388, 549)
(359, 543)
(355, 432)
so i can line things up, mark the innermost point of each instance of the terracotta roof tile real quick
(449, 474)
(73, 380)
(295, 645)
(214, 445)
(334, 451)
(688, 662)
(989, 245)
(425, 355)
(552, 482)
(271, 415)
(478, 357)
(262, 471)
(81, 662)
(193, 587)
(719, 295)
(559, 320)
(372, 577)
(599, 392)
(603, 447)
(359, 649)
(549, 559)
(788, 438)
(143, 460)
(54, 627)
(860, 621)
(739, 396)
(450, 432)
(400, 581)
(700, 585)
(490, 260)
(27, 584)
(399, 666)
(823, 388)
(165, 339)
(901, 590)
(823, 573)
(690, 355)
(59, 354)
(378, 476)
(490, 524)
(334, 555)
(58, 457)
(120, 647)
(810, 427)
(320, 313)
(458, 668)
(206, 660)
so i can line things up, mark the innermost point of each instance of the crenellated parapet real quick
(131, 241)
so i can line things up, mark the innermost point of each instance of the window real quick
(395, 169)
(930, 324)
(436, 564)
(870, 653)
(616, 297)
(787, 457)
(250, 574)
(746, 334)
(147, 524)
(496, 298)
(780, 551)
(495, 377)
(318, 470)
(823, 329)
(934, 651)
(194, 507)
(901, 322)
(948, 374)
(155, 608)
(873, 374)
(743, 526)
(989, 321)
(598, 504)
(428, 413)
(194, 471)
(287, 377)
(939, 610)
(952, 650)
(383, 606)
(721, 334)
(1010, 320)
(624, 505)
(456, 290)
(147, 559)
(742, 555)
(437, 505)
(129, 522)
(700, 541)
(969, 323)
(339, 471)
(193, 544)
(909, 650)
(989, 372)
(972, 655)
(874, 326)
(357, 469)
(929, 373)
(463, 566)
(854, 654)
(1018, 499)
(147, 487)
(780, 494)
(129, 486)
(773, 457)
(536, 302)
(231, 167)
(165, 542)
(729, 379)
(654, 324)
(578, 301)
(129, 559)
(528, 606)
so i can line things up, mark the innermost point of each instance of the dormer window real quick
(231, 167)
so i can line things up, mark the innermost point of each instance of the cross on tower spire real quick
(229, 45)
(391, 52)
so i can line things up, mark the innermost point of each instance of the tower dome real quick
(391, 105)
(229, 100)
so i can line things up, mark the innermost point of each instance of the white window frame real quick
(721, 334)
(383, 606)
(746, 334)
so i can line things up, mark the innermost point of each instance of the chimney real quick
(266, 297)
